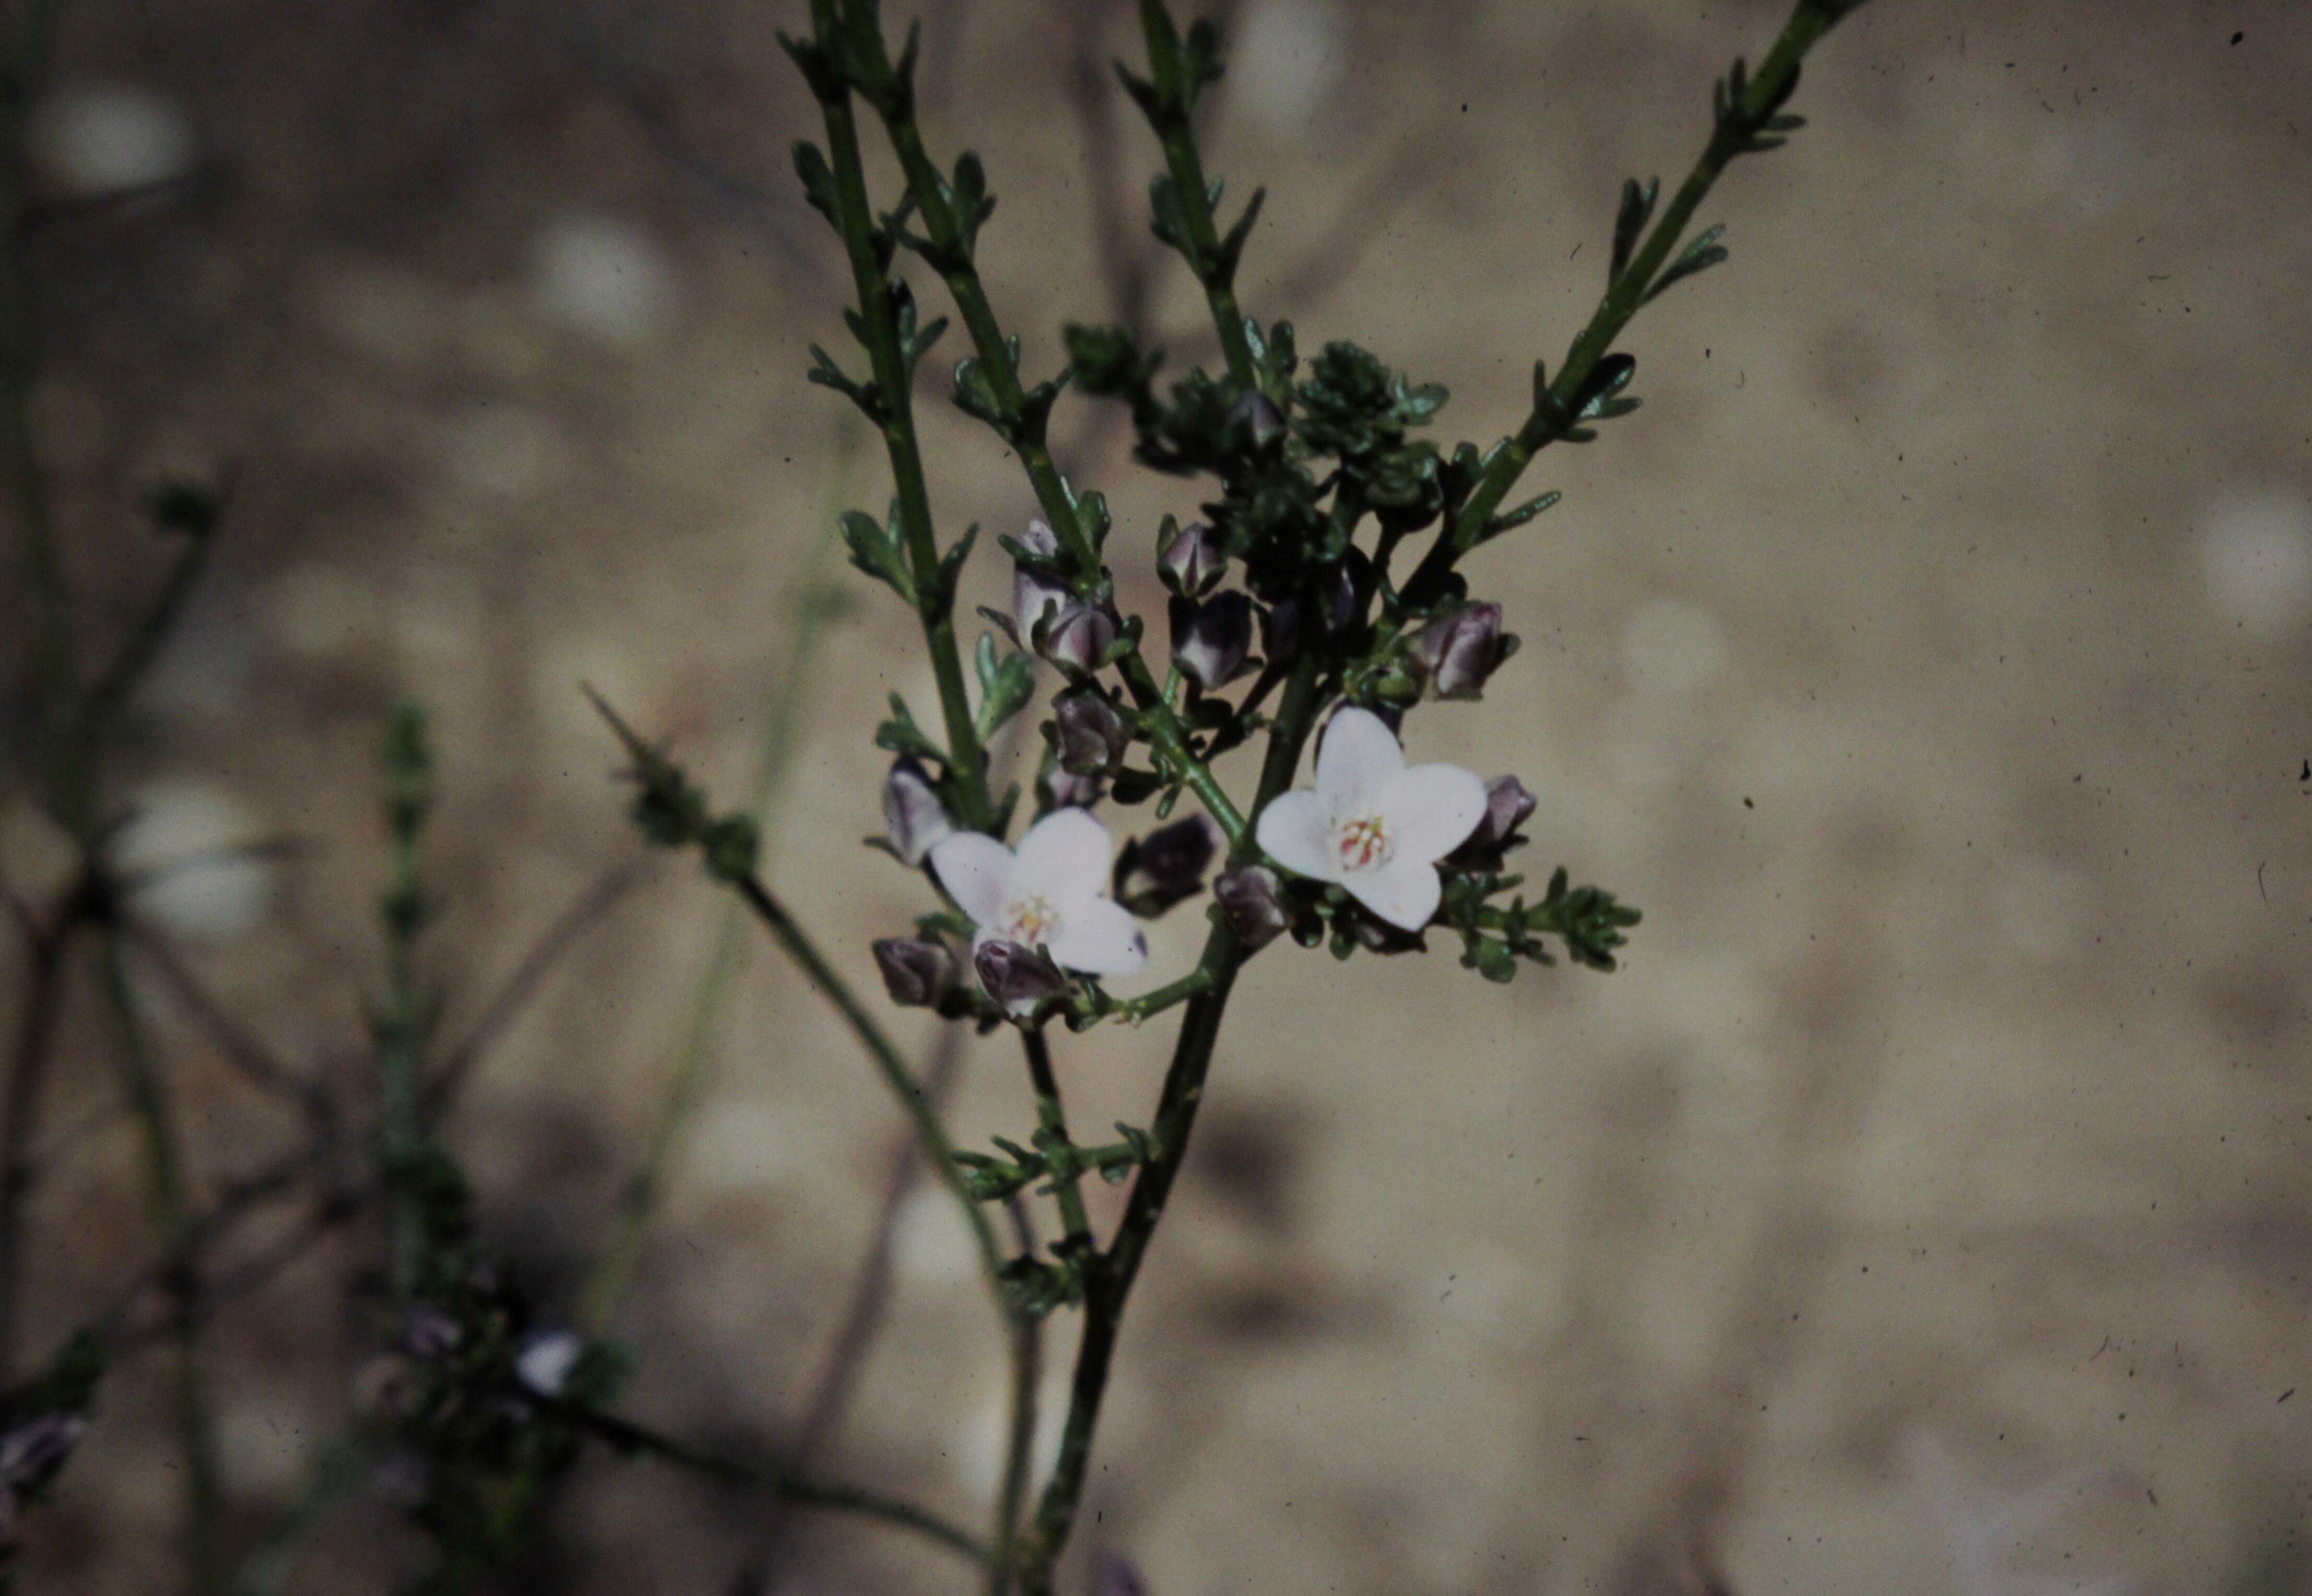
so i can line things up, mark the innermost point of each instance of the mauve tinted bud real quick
(914, 820)
(1159, 869)
(918, 971)
(1251, 899)
(1075, 635)
(1091, 735)
(1210, 640)
(1113, 1574)
(1033, 594)
(1065, 791)
(34, 1450)
(1457, 652)
(1018, 977)
(1190, 562)
(1507, 805)
(1259, 417)
(427, 1332)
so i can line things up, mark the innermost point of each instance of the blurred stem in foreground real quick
(171, 1212)
(813, 604)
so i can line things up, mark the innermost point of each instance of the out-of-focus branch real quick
(505, 1006)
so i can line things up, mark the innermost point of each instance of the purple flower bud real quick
(1063, 791)
(914, 820)
(427, 1332)
(1259, 417)
(1157, 871)
(402, 1479)
(1034, 595)
(1253, 902)
(1113, 1574)
(1457, 652)
(36, 1448)
(1089, 734)
(918, 972)
(1018, 978)
(545, 1360)
(1075, 634)
(1191, 562)
(1210, 640)
(1507, 805)
(386, 1386)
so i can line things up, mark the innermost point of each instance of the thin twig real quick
(257, 1062)
(172, 1219)
(789, 1484)
(855, 1333)
(28, 1068)
(505, 1006)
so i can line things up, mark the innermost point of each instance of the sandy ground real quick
(1920, 1210)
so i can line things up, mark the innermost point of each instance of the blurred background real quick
(1923, 1207)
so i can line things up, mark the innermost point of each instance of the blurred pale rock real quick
(506, 449)
(2044, 910)
(742, 1147)
(2255, 561)
(318, 610)
(391, 316)
(185, 829)
(69, 417)
(977, 1458)
(1671, 646)
(600, 276)
(1291, 58)
(930, 1243)
(263, 1444)
(101, 138)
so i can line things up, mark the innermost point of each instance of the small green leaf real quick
(1637, 210)
(1006, 685)
(1696, 258)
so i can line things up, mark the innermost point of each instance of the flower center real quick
(1363, 842)
(1031, 921)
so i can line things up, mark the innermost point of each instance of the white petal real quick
(1358, 760)
(976, 870)
(1404, 892)
(1431, 810)
(1064, 856)
(1296, 830)
(1097, 937)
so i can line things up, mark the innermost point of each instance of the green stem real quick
(630, 1437)
(171, 1214)
(1019, 1440)
(1109, 1275)
(1176, 130)
(28, 1072)
(1554, 413)
(1133, 1010)
(929, 1132)
(951, 253)
(880, 318)
(1052, 1115)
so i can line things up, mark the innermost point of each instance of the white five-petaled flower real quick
(1372, 826)
(1052, 894)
